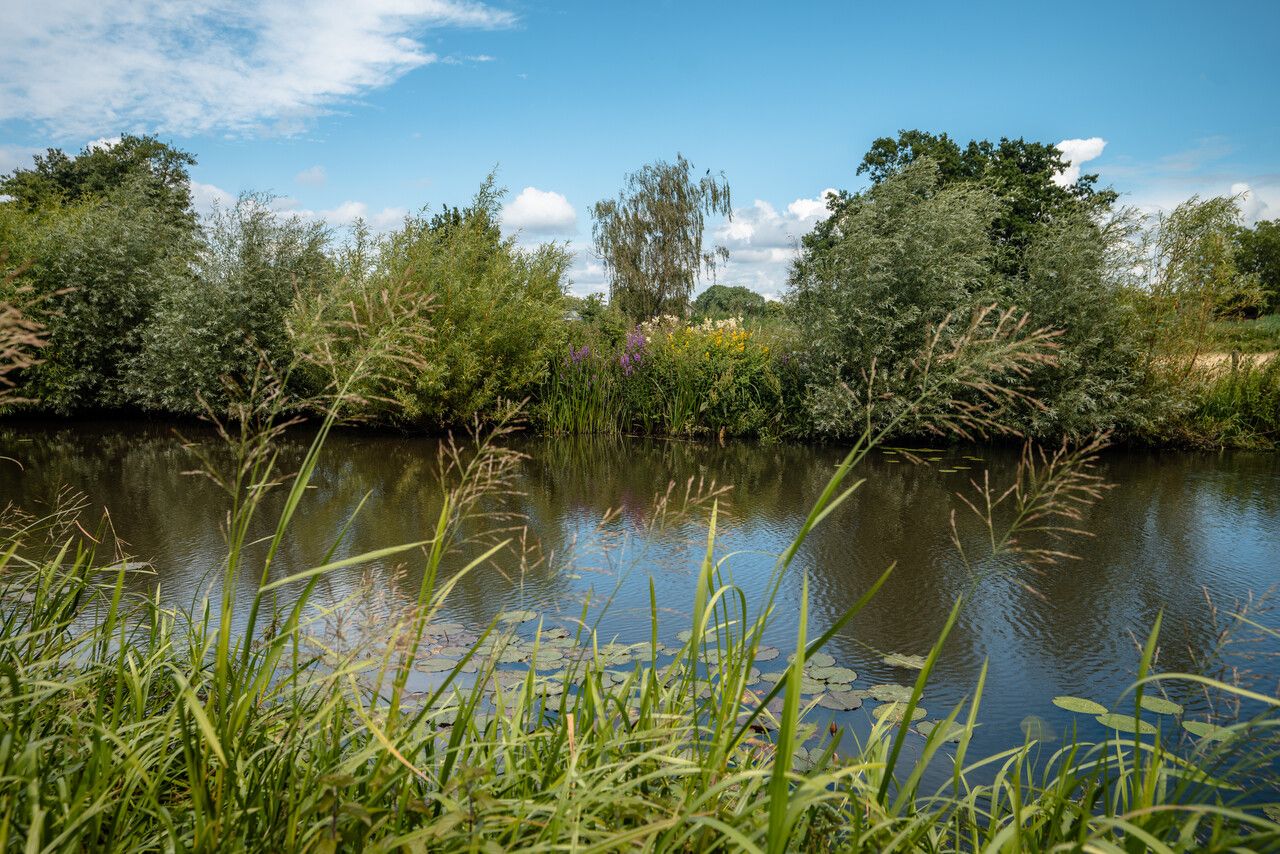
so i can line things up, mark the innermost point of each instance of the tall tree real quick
(1259, 254)
(1023, 175)
(650, 237)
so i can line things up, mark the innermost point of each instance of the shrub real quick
(497, 309)
(218, 324)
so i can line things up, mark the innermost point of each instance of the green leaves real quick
(1079, 705)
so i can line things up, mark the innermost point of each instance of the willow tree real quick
(650, 237)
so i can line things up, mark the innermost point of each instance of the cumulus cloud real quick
(208, 197)
(1076, 152)
(314, 176)
(83, 66)
(540, 212)
(762, 241)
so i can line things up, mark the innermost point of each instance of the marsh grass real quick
(129, 726)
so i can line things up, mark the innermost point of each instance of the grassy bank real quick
(244, 724)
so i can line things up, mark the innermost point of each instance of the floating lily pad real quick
(890, 693)
(812, 686)
(907, 662)
(684, 636)
(953, 733)
(833, 674)
(1125, 723)
(767, 653)
(841, 701)
(1201, 729)
(894, 712)
(436, 665)
(773, 677)
(818, 659)
(1160, 705)
(515, 617)
(1079, 705)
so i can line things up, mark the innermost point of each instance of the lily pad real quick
(436, 665)
(833, 674)
(1079, 705)
(812, 686)
(515, 617)
(684, 636)
(818, 659)
(895, 712)
(1160, 705)
(907, 662)
(767, 653)
(1201, 729)
(1125, 723)
(953, 733)
(890, 693)
(841, 701)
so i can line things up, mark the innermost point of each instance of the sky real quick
(377, 108)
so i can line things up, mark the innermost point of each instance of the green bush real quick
(227, 319)
(100, 268)
(497, 311)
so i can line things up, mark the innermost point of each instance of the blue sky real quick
(381, 107)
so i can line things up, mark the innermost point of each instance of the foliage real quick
(1188, 278)
(873, 278)
(1259, 335)
(719, 301)
(155, 172)
(1258, 254)
(1023, 175)
(1236, 406)
(107, 234)
(650, 237)
(496, 310)
(227, 319)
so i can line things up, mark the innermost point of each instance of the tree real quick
(871, 280)
(650, 237)
(218, 324)
(155, 171)
(106, 233)
(1023, 175)
(726, 301)
(1259, 255)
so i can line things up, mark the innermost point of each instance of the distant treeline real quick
(116, 295)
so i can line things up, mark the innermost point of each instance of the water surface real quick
(1176, 532)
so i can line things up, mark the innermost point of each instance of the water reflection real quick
(1175, 527)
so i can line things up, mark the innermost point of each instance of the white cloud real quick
(207, 197)
(314, 176)
(87, 66)
(762, 242)
(102, 143)
(348, 212)
(1076, 152)
(1258, 204)
(13, 156)
(541, 212)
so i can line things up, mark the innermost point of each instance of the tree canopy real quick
(650, 236)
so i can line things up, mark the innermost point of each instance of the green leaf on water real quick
(1160, 705)
(818, 659)
(832, 674)
(890, 693)
(841, 701)
(1201, 729)
(767, 653)
(907, 662)
(1079, 705)
(1125, 723)
(511, 617)
(1035, 729)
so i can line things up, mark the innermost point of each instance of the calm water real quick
(1174, 528)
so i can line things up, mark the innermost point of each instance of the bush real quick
(497, 310)
(100, 267)
(216, 326)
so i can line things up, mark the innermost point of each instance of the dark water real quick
(1176, 529)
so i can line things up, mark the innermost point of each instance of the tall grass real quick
(1239, 406)
(126, 725)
